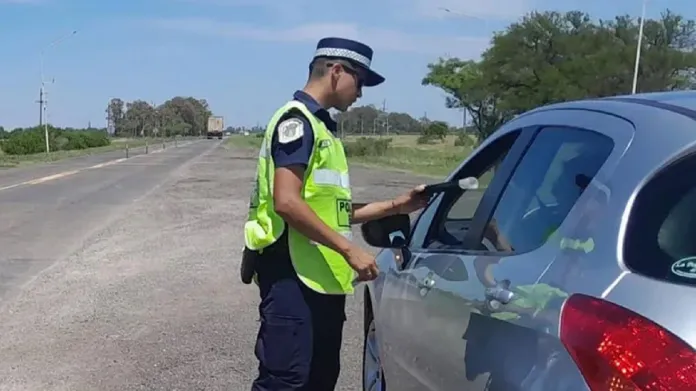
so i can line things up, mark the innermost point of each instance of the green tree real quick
(468, 86)
(139, 119)
(186, 116)
(549, 57)
(116, 112)
(437, 130)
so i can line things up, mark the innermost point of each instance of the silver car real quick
(571, 267)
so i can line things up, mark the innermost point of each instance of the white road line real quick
(100, 165)
(51, 177)
(11, 186)
(41, 180)
(143, 164)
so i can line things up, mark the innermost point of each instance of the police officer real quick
(299, 223)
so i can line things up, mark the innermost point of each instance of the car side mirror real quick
(387, 232)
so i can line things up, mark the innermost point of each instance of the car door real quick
(512, 241)
(416, 305)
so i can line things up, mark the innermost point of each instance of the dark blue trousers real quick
(299, 340)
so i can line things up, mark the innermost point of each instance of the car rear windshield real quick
(660, 239)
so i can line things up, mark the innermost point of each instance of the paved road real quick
(48, 210)
(125, 276)
(13, 176)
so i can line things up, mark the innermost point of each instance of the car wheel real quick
(373, 376)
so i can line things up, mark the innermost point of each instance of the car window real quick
(459, 218)
(465, 206)
(554, 171)
(449, 219)
(659, 240)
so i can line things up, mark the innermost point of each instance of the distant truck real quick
(216, 126)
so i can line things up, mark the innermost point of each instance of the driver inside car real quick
(532, 299)
(576, 175)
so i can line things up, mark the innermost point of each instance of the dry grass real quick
(405, 154)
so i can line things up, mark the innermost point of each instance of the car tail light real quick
(617, 349)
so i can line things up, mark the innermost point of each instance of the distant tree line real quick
(179, 116)
(27, 141)
(243, 129)
(370, 120)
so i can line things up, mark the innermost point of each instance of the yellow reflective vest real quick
(326, 189)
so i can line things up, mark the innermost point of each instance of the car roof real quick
(675, 102)
(684, 99)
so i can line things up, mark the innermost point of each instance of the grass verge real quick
(403, 154)
(10, 161)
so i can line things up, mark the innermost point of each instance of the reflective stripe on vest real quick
(326, 189)
(331, 177)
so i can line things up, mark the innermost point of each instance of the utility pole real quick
(41, 104)
(45, 125)
(386, 115)
(43, 84)
(638, 47)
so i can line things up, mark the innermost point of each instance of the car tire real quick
(372, 373)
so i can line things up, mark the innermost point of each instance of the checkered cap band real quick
(345, 53)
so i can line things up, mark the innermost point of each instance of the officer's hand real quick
(363, 263)
(412, 201)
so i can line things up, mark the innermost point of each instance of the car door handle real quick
(427, 282)
(500, 294)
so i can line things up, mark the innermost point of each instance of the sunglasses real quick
(359, 76)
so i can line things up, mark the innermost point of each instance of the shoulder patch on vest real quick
(324, 143)
(290, 130)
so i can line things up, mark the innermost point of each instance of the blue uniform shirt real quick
(297, 152)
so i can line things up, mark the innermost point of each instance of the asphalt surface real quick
(124, 276)
(9, 176)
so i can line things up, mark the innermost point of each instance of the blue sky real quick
(246, 57)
